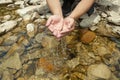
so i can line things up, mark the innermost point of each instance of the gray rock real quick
(28, 9)
(114, 17)
(89, 21)
(7, 26)
(31, 9)
(5, 1)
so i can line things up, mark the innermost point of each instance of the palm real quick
(55, 23)
(69, 25)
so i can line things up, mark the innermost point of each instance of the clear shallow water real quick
(68, 60)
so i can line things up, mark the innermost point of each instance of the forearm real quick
(82, 7)
(55, 7)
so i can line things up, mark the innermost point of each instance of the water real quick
(68, 60)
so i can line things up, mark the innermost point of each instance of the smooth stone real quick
(7, 75)
(4, 26)
(114, 17)
(30, 29)
(6, 1)
(12, 62)
(7, 17)
(90, 21)
(99, 71)
(87, 36)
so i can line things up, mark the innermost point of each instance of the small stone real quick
(103, 51)
(34, 16)
(87, 36)
(45, 64)
(42, 21)
(27, 17)
(30, 29)
(12, 62)
(73, 63)
(7, 17)
(39, 37)
(4, 27)
(7, 76)
(104, 14)
(99, 71)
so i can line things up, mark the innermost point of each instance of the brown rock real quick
(45, 64)
(87, 36)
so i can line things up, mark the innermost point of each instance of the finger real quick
(65, 30)
(51, 28)
(58, 34)
(55, 33)
(72, 27)
(49, 21)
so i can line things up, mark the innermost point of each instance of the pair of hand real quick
(59, 26)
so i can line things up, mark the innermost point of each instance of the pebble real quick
(99, 71)
(87, 36)
(7, 17)
(30, 29)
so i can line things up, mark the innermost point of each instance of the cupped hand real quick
(68, 26)
(60, 27)
(55, 23)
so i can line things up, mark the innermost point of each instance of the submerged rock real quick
(30, 29)
(5, 27)
(87, 36)
(99, 71)
(7, 75)
(12, 62)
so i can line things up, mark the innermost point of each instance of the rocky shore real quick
(28, 50)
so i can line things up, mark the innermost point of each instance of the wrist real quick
(71, 16)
